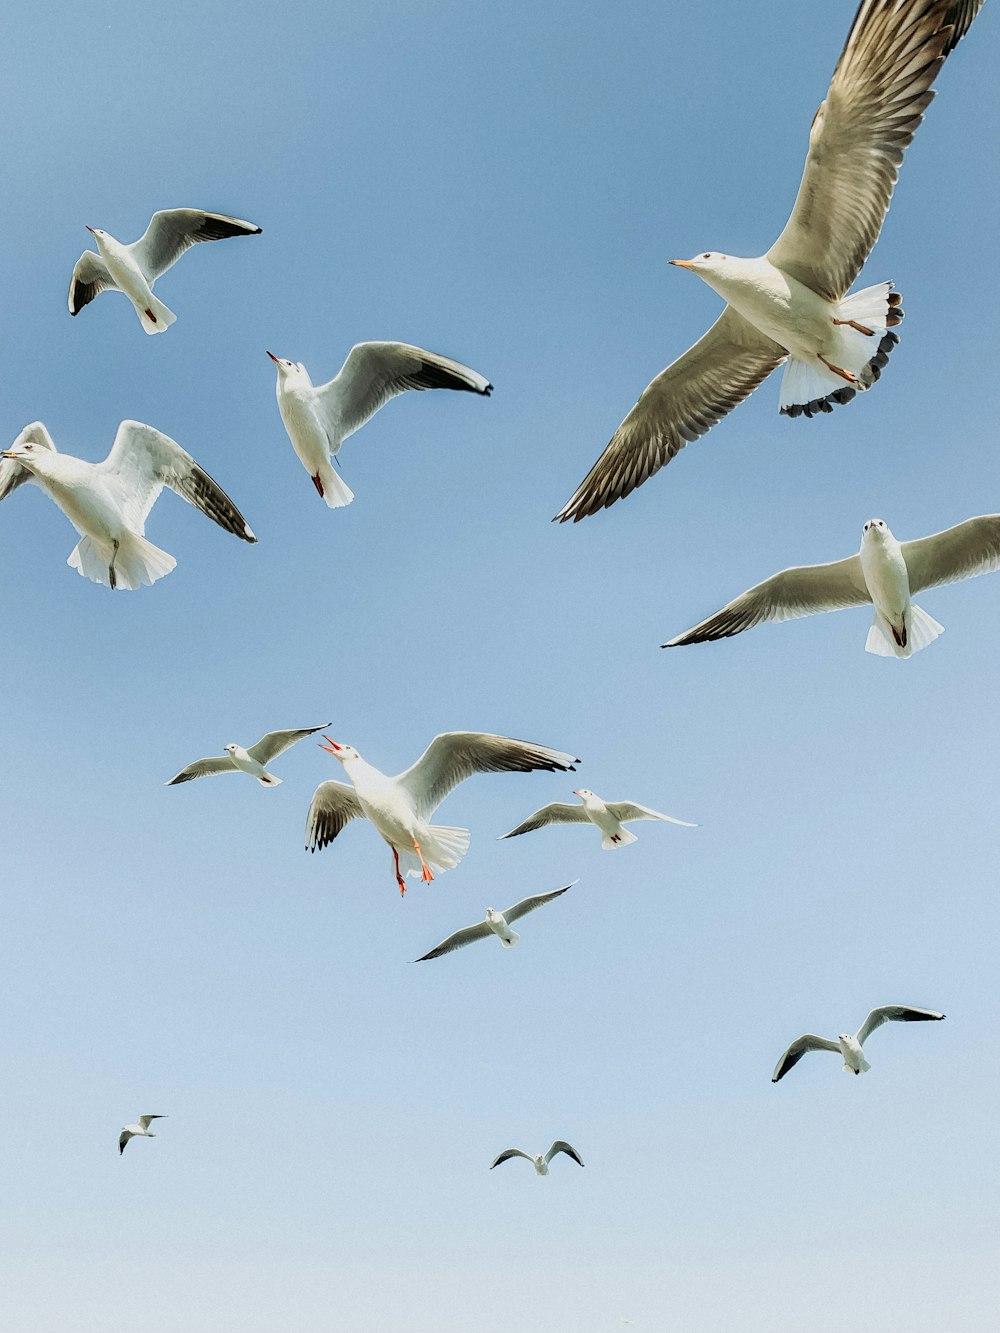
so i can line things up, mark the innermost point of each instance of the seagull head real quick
(583, 793)
(709, 262)
(99, 236)
(287, 369)
(874, 530)
(231, 748)
(26, 452)
(341, 752)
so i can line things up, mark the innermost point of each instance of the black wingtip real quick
(487, 391)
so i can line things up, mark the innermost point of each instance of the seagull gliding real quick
(251, 760)
(496, 923)
(541, 1160)
(139, 1130)
(608, 816)
(850, 1047)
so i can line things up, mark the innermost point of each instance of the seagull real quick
(319, 418)
(885, 572)
(251, 760)
(496, 923)
(108, 502)
(850, 1047)
(134, 268)
(790, 306)
(541, 1160)
(139, 1130)
(608, 816)
(400, 807)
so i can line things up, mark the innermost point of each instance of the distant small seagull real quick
(608, 816)
(850, 1047)
(251, 760)
(496, 923)
(541, 1161)
(108, 503)
(885, 573)
(319, 418)
(791, 305)
(139, 1130)
(133, 269)
(400, 807)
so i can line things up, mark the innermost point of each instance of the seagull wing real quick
(90, 278)
(174, 230)
(879, 92)
(456, 755)
(682, 403)
(894, 1013)
(375, 372)
(798, 1048)
(123, 1138)
(561, 1145)
(277, 742)
(143, 460)
(969, 548)
(146, 1120)
(508, 1153)
(333, 806)
(480, 931)
(800, 591)
(626, 811)
(556, 813)
(527, 905)
(204, 768)
(12, 474)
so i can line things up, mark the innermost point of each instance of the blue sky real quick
(502, 185)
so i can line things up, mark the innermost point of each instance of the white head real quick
(289, 371)
(101, 237)
(341, 752)
(231, 749)
(585, 794)
(27, 453)
(874, 530)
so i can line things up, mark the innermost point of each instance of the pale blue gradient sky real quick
(504, 185)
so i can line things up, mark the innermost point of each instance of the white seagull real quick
(885, 573)
(790, 305)
(609, 816)
(541, 1160)
(139, 1130)
(108, 503)
(400, 806)
(319, 418)
(850, 1047)
(252, 760)
(496, 923)
(134, 269)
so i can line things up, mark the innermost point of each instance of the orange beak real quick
(681, 263)
(333, 747)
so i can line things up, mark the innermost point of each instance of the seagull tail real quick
(443, 848)
(269, 780)
(137, 563)
(881, 641)
(333, 488)
(610, 841)
(924, 629)
(155, 317)
(509, 944)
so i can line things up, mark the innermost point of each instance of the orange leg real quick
(426, 874)
(399, 878)
(853, 323)
(837, 370)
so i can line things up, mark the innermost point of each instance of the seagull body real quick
(541, 1160)
(134, 268)
(108, 502)
(790, 306)
(252, 761)
(850, 1047)
(885, 573)
(496, 923)
(608, 817)
(400, 807)
(139, 1130)
(319, 418)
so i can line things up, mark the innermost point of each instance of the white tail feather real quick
(443, 847)
(804, 382)
(137, 564)
(336, 491)
(269, 780)
(509, 944)
(924, 629)
(868, 307)
(611, 841)
(164, 316)
(881, 641)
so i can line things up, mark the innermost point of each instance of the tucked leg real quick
(853, 324)
(838, 370)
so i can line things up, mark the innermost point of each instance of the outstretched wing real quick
(459, 940)
(123, 1138)
(204, 768)
(90, 278)
(626, 811)
(146, 1120)
(798, 1048)
(561, 1145)
(894, 1013)
(334, 805)
(12, 474)
(508, 1153)
(456, 755)
(174, 230)
(682, 403)
(277, 742)
(143, 460)
(558, 812)
(969, 548)
(527, 905)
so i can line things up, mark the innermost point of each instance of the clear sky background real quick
(503, 184)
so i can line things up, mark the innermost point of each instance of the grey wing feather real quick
(561, 1145)
(508, 1153)
(558, 812)
(172, 231)
(798, 1048)
(277, 742)
(969, 548)
(456, 755)
(527, 905)
(679, 405)
(146, 1120)
(459, 940)
(800, 591)
(204, 768)
(12, 474)
(627, 811)
(333, 806)
(90, 278)
(123, 1138)
(894, 1013)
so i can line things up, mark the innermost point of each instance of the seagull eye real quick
(707, 255)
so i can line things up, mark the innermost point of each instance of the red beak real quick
(333, 747)
(274, 358)
(91, 230)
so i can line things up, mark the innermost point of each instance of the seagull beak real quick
(91, 230)
(576, 793)
(332, 748)
(681, 263)
(274, 358)
(8, 453)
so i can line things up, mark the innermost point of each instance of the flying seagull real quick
(541, 1160)
(139, 1130)
(608, 816)
(884, 572)
(850, 1047)
(400, 807)
(319, 418)
(252, 760)
(108, 503)
(496, 923)
(791, 305)
(134, 268)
